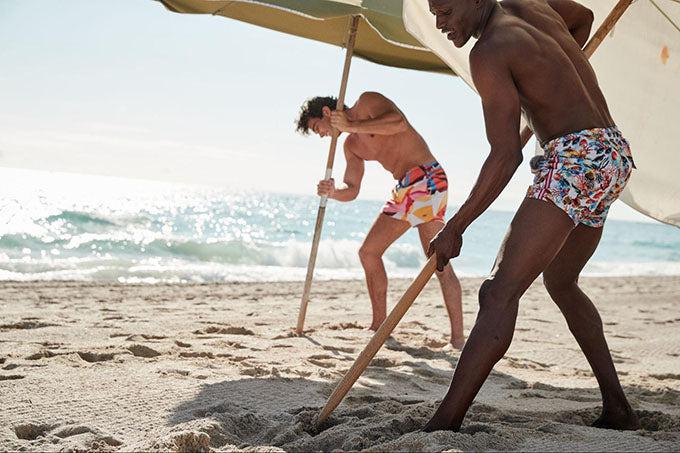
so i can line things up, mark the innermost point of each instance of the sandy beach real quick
(215, 366)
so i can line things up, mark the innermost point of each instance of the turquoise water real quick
(63, 226)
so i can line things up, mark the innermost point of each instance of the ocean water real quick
(56, 226)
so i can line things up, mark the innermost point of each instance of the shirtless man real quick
(528, 58)
(379, 131)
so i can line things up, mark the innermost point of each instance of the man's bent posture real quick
(378, 131)
(528, 58)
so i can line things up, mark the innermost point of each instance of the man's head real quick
(459, 20)
(315, 115)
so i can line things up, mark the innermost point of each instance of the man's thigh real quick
(383, 233)
(427, 231)
(572, 258)
(536, 235)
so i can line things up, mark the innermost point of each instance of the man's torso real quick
(557, 86)
(397, 153)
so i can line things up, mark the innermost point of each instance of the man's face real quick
(321, 126)
(456, 19)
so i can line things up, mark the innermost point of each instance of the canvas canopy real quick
(381, 36)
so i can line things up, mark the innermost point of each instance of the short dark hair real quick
(313, 108)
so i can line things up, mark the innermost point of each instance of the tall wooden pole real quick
(428, 269)
(351, 37)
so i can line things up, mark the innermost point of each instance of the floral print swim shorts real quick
(583, 173)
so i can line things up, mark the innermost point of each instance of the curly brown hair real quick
(313, 108)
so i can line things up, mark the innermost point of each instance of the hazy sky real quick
(128, 88)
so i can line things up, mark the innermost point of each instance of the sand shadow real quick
(281, 412)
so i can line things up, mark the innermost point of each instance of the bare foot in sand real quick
(457, 343)
(436, 425)
(622, 420)
(376, 324)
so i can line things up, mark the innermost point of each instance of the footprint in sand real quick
(321, 360)
(94, 357)
(31, 431)
(44, 354)
(27, 324)
(10, 377)
(229, 330)
(139, 350)
(345, 326)
(383, 362)
(144, 336)
(526, 364)
(98, 441)
(339, 348)
(195, 355)
(666, 376)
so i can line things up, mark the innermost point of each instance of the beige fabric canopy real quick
(638, 67)
(381, 37)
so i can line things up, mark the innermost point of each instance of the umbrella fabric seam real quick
(663, 13)
(267, 5)
(298, 13)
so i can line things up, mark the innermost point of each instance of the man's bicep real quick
(354, 170)
(574, 14)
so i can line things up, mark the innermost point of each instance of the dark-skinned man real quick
(528, 59)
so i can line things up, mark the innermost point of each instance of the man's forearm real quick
(493, 178)
(345, 193)
(389, 124)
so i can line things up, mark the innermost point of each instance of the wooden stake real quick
(379, 337)
(425, 274)
(354, 24)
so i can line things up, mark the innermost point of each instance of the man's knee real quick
(497, 295)
(368, 255)
(557, 282)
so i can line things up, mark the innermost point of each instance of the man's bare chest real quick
(368, 146)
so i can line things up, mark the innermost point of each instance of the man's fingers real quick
(430, 250)
(441, 262)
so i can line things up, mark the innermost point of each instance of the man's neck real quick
(491, 10)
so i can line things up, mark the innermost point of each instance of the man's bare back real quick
(557, 86)
(397, 152)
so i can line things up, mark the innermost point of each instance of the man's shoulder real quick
(371, 97)
(506, 41)
(492, 48)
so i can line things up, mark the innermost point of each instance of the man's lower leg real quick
(585, 324)
(489, 340)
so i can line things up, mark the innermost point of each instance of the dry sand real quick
(109, 367)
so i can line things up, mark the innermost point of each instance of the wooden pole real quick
(379, 337)
(425, 274)
(351, 36)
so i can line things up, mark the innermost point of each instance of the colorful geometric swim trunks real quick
(583, 173)
(420, 196)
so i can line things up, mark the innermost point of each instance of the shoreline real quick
(86, 365)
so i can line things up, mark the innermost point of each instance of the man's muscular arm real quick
(384, 117)
(349, 190)
(578, 18)
(501, 105)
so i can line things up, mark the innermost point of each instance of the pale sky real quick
(128, 88)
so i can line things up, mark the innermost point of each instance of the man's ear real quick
(326, 112)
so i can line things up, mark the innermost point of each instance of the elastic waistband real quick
(608, 133)
(418, 172)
